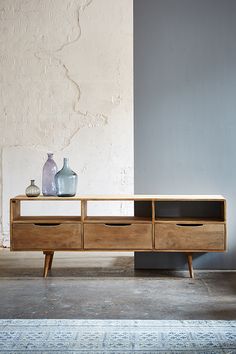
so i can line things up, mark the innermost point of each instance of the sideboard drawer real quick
(201, 237)
(118, 237)
(46, 236)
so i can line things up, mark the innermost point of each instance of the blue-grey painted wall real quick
(185, 108)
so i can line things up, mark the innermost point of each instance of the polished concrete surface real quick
(105, 286)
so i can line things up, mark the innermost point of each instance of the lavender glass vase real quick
(48, 181)
(66, 181)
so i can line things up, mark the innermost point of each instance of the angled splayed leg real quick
(190, 264)
(51, 260)
(47, 262)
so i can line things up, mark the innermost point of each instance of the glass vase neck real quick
(50, 155)
(32, 182)
(66, 162)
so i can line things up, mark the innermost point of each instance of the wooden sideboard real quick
(161, 223)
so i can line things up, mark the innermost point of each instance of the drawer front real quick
(118, 237)
(46, 237)
(208, 237)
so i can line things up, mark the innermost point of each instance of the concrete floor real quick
(105, 286)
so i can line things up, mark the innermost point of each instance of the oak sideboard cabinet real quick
(160, 223)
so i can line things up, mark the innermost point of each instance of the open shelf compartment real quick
(49, 212)
(119, 212)
(190, 211)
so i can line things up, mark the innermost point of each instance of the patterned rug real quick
(117, 336)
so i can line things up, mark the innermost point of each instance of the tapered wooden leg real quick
(47, 261)
(51, 259)
(190, 264)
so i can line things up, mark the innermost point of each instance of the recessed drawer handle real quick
(190, 225)
(118, 225)
(46, 225)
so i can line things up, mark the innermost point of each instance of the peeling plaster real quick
(76, 85)
(66, 86)
(69, 41)
(85, 4)
(88, 119)
(82, 7)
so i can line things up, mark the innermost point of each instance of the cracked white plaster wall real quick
(66, 72)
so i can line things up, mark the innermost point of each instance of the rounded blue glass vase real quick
(66, 181)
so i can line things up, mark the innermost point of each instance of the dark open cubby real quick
(143, 209)
(205, 210)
